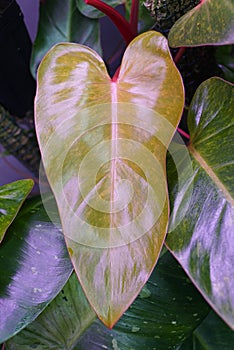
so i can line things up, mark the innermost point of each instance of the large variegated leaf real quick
(34, 266)
(103, 145)
(165, 313)
(203, 241)
(209, 23)
(12, 197)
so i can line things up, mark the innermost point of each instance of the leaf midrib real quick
(211, 174)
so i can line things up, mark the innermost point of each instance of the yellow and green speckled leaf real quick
(103, 145)
(209, 23)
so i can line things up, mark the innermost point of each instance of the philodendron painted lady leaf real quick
(103, 145)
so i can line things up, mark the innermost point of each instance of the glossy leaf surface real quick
(103, 145)
(203, 241)
(34, 266)
(91, 11)
(209, 23)
(225, 60)
(61, 21)
(162, 317)
(12, 197)
(211, 334)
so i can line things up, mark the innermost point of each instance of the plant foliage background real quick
(186, 300)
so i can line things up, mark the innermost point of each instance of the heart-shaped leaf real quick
(61, 21)
(91, 11)
(209, 23)
(34, 266)
(165, 313)
(12, 197)
(202, 236)
(103, 145)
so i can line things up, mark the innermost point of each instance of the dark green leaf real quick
(202, 236)
(162, 317)
(60, 21)
(34, 266)
(209, 23)
(91, 11)
(145, 20)
(225, 60)
(211, 334)
(12, 197)
(103, 145)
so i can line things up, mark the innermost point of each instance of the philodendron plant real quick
(133, 247)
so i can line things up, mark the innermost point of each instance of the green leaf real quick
(209, 23)
(103, 145)
(145, 20)
(202, 226)
(12, 197)
(60, 21)
(211, 334)
(34, 266)
(92, 12)
(162, 317)
(225, 59)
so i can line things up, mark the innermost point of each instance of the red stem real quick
(179, 54)
(134, 16)
(183, 133)
(116, 75)
(121, 23)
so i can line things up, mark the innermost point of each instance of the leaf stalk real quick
(134, 16)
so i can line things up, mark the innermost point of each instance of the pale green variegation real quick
(203, 240)
(158, 318)
(209, 23)
(34, 266)
(12, 197)
(103, 145)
